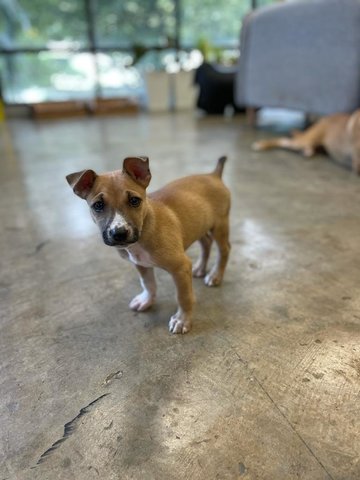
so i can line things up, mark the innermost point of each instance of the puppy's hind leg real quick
(280, 142)
(296, 144)
(147, 297)
(221, 236)
(199, 269)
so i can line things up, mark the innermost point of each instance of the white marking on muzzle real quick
(118, 221)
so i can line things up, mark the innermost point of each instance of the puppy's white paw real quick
(212, 279)
(198, 271)
(142, 302)
(179, 324)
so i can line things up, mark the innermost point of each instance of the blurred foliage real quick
(217, 21)
(210, 52)
(134, 25)
(122, 23)
(55, 20)
(130, 22)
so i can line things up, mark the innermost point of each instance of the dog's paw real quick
(198, 271)
(258, 146)
(212, 279)
(308, 152)
(179, 324)
(142, 302)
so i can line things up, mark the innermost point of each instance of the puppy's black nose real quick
(119, 233)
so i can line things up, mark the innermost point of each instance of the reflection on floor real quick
(266, 385)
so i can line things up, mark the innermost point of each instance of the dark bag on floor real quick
(216, 88)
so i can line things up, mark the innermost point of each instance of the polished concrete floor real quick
(266, 385)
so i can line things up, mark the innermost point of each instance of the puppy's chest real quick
(136, 254)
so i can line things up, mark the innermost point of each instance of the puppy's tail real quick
(220, 166)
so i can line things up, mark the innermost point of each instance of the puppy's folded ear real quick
(138, 169)
(82, 182)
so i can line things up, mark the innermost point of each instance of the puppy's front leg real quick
(147, 297)
(182, 275)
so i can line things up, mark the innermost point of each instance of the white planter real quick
(185, 90)
(158, 91)
(168, 91)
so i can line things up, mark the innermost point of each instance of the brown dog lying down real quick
(338, 135)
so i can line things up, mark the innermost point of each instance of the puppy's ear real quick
(138, 169)
(82, 182)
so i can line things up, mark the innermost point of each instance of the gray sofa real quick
(302, 54)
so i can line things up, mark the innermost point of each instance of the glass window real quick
(117, 76)
(263, 3)
(58, 76)
(32, 78)
(212, 22)
(47, 50)
(125, 23)
(39, 23)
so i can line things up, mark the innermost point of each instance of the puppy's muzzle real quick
(120, 235)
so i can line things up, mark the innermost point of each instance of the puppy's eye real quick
(98, 206)
(134, 201)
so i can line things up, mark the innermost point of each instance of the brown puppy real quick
(155, 230)
(338, 135)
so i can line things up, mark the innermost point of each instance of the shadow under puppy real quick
(338, 135)
(155, 230)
